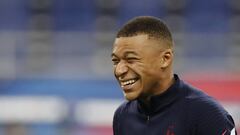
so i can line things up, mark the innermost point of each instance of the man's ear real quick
(166, 58)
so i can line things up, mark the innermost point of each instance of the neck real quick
(165, 83)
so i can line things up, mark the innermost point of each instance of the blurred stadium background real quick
(55, 67)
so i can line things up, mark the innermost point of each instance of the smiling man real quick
(138, 67)
(159, 103)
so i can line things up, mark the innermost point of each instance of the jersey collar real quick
(162, 101)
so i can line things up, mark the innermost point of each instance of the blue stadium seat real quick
(74, 14)
(13, 15)
(132, 8)
(207, 16)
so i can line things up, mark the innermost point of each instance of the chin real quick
(130, 97)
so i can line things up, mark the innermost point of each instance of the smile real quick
(128, 82)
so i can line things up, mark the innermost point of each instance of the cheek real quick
(145, 70)
(133, 70)
(137, 67)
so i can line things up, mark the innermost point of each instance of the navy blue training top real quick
(181, 110)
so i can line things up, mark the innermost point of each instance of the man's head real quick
(142, 57)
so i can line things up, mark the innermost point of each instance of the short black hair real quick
(152, 26)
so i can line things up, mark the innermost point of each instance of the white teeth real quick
(128, 82)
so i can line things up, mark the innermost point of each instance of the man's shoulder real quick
(206, 113)
(198, 99)
(201, 105)
(126, 106)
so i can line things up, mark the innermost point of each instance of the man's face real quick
(137, 65)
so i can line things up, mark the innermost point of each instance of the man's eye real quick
(131, 59)
(115, 61)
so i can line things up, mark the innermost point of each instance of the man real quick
(159, 103)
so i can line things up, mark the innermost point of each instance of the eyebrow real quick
(130, 52)
(125, 54)
(113, 55)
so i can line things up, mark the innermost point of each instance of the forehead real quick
(135, 44)
(137, 38)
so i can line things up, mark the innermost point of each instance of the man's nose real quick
(121, 69)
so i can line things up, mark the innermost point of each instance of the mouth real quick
(126, 84)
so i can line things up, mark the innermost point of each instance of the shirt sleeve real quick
(212, 119)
